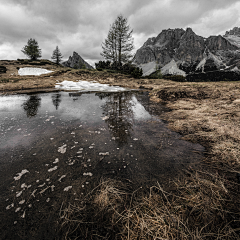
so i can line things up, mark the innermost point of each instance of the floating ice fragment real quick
(67, 188)
(18, 209)
(18, 194)
(62, 149)
(60, 179)
(56, 161)
(105, 118)
(33, 193)
(52, 169)
(23, 216)
(23, 185)
(88, 174)
(10, 206)
(104, 154)
(22, 202)
(45, 189)
(20, 174)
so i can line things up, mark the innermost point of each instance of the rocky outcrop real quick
(235, 31)
(190, 52)
(77, 62)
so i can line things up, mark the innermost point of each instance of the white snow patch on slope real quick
(148, 68)
(32, 71)
(88, 86)
(172, 68)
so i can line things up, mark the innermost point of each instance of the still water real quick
(57, 145)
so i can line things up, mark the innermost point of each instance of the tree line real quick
(116, 49)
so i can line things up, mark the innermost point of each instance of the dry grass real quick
(194, 209)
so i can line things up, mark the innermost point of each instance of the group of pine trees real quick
(33, 51)
(117, 49)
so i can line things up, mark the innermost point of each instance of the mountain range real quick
(183, 52)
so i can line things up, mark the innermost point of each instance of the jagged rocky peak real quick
(191, 47)
(235, 31)
(215, 43)
(233, 36)
(169, 38)
(76, 61)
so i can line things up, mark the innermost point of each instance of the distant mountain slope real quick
(76, 61)
(183, 52)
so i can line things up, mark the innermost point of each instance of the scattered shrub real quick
(115, 67)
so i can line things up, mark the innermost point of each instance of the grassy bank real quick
(203, 204)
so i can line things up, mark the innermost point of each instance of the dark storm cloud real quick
(82, 26)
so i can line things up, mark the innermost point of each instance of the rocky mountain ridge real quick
(76, 61)
(185, 52)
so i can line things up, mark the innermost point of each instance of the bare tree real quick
(119, 43)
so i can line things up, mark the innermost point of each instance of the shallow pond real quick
(56, 146)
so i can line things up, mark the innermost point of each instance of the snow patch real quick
(85, 86)
(32, 71)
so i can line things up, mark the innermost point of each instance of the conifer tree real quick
(57, 56)
(32, 49)
(118, 45)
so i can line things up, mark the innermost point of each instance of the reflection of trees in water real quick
(31, 106)
(56, 99)
(118, 109)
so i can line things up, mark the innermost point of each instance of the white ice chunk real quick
(22, 202)
(104, 154)
(10, 206)
(62, 149)
(67, 188)
(19, 175)
(60, 179)
(88, 174)
(52, 169)
(56, 161)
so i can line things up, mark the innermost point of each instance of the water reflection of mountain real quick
(31, 105)
(56, 99)
(119, 115)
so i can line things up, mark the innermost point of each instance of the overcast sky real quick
(82, 25)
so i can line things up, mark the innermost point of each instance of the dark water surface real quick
(57, 146)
